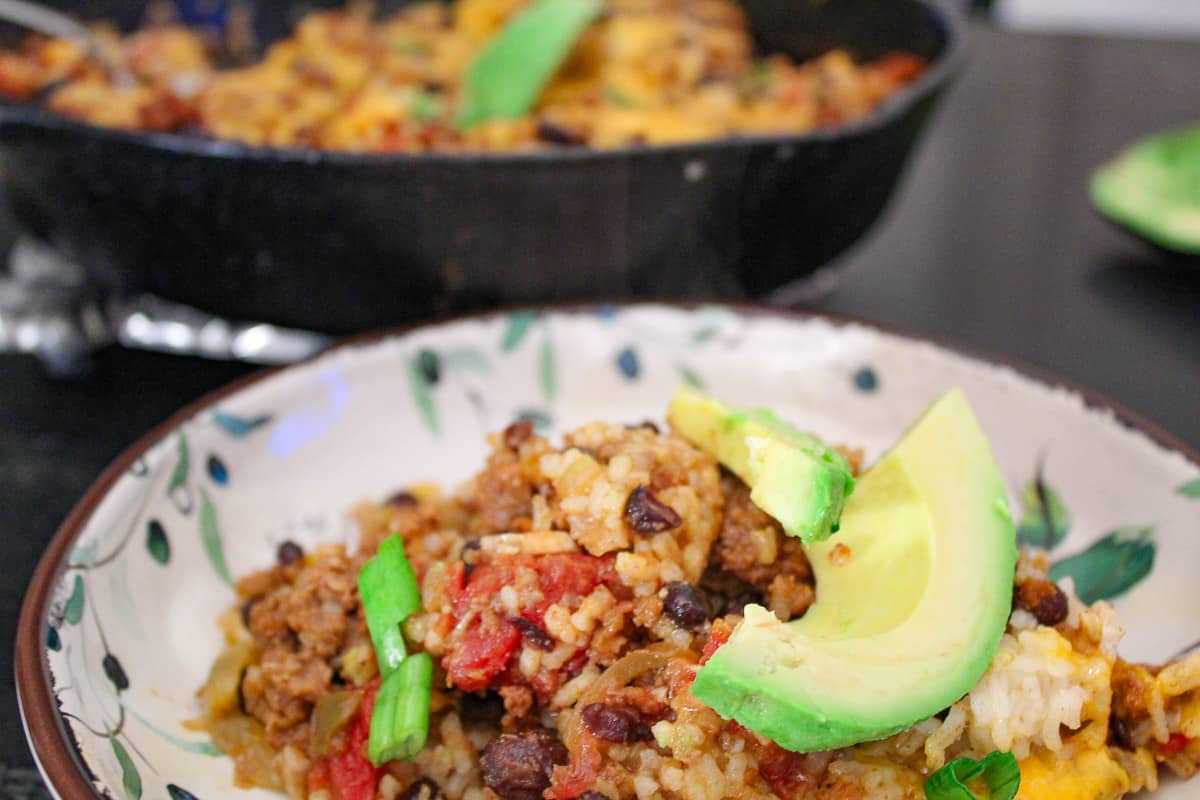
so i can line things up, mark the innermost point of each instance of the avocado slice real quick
(1153, 188)
(792, 476)
(913, 596)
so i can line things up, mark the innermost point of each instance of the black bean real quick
(470, 557)
(516, 434)
(289, 553)
(615, 723)
(1053, 608)
(592, 795)
(246, 607)
(402, 499)
(482, 709)
(532, 633)
(550, 132)
(518, 767)
(645, 513)
(421, 789)
(737, 604)
(1119, 732)
(685, 605)
(1044, 600)
(648, 424)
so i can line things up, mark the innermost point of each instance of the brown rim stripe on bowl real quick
(52, 745)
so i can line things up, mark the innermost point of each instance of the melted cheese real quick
(1091, 775)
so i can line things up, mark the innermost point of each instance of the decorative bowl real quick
(118, 627)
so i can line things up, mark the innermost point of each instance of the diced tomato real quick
(718, 635)
(575, 778)
(482, 652)
(1175, 745)
(349, 775)
(900, 67)
(782, 770)
(318, 776)
(481, 655)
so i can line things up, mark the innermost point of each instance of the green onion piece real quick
(998, 771)
(618, 98)
(505, 80)
(425, 106)
(400, 718)
(388, 588)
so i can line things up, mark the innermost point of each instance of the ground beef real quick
(504, 499)
(753, 548)
(306, 614)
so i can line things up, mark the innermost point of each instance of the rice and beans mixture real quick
(570, 593)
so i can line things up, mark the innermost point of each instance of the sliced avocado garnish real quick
(1153, 188)
(913, 595)
(794, 477)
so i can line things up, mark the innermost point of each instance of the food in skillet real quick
(621, 617)
(493, 75)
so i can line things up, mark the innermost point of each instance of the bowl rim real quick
(950, 14)
(50, 741)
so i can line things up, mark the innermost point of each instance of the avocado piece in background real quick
(1153, 189)
(794, 477)
(913, 596)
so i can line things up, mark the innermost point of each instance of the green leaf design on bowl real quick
(1111, 566)
(115, 672)
(131, 781)
(542, 422)
(1045, 520)
(1153, 188)
(210, 535)
(690, 377)
(467, 359)
(1190, 489)
(515, 330)
(422, 392)
(157, 543)
(547, 366)
(239, 427)
(73, 610)
(203, 747)
(179, 475)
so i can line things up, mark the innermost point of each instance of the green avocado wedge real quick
(1153, 189)
(794, 477)
(913, 595)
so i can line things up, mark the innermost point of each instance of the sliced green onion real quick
(389, 592)
(425, 106)
(998, 771)
(618, 98)
(400, 719)
(505, 80)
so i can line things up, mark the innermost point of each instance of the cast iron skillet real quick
(339, 242)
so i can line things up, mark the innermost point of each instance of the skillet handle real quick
(47, 309)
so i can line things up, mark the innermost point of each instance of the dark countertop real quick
(990, 243)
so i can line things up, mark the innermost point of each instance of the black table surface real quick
(990, 243)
